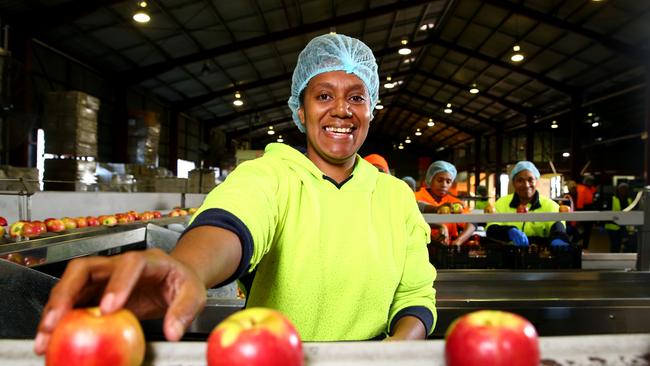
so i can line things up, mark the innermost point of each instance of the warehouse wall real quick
(51, 70)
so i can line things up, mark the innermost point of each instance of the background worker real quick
(379, 162)
(621, 236)
(526, 198)
(439, 178)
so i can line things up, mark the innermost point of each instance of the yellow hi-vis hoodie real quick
(341, 262)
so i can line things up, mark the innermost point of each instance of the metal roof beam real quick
(609, 42)
(137, 75)
(250, 130)
(504, 102)
(473, 116)
(222, 121)
(67, 12)
(423, 114)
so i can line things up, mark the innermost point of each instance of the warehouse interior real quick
(144, 106)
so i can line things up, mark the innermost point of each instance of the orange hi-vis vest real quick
(423, 195)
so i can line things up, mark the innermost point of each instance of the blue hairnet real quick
(524, 165)
(440, 166)
(333, 52)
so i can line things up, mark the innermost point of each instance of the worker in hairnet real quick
(526, 198)
(337, 246)
(439, 178)
(379, 162)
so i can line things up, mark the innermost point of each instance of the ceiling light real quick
(404, 50)
(474, 89)
(238, 102)
(431, 123)
(554, 124)
(517, 56)
(379, 106)
(389, 84)
(566, 154)
(595, 124)
(424, 27)
(271, 131)
(448, 109)
(440, 148)
(589, 114)
(280, 139)
(408, 140)
(417, 132)
(141, 16)
(401, 147)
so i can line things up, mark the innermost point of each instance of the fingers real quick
(64, 294)
(188, 302)
(122, 281)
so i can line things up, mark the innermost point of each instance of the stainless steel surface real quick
(23, 293)
(621, 218)
(602, 261)
(161, 237)
(603, 350)
(558, 303)
(643, 249)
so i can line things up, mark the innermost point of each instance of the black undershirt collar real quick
(337, 185)
(534, 202)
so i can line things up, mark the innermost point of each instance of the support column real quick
(477, 162)
(499, 163)
(173, 141)
(646, 165)
(530, 138)
(121, 130)
(577, 116)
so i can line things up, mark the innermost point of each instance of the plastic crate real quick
(494, 254)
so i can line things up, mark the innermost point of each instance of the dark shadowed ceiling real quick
(195, 54)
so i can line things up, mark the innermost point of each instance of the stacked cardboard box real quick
(18, 179)
(70, 175)
(70, 123)
(170, 184)
(145, 176)
(144, 138)
(202, 180)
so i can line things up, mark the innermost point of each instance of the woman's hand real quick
(150, 283)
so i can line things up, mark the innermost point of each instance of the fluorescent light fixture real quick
(141, 16)
(517, 56)
(404, 51)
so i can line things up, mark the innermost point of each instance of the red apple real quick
(15, 257)
(30, 230)
(86, 337)
(92, 221)
(522, 209)
(122, 218)
(69, 223)
(491, 338)
(15, 230)
(107, 220)
(135, 215)
(41, 226)
(54, 225)
(146, 216)
(157, 214)
(174, 213)
(3, 221)
(255, 336)
(81, 221)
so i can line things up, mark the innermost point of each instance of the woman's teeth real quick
(338, 129)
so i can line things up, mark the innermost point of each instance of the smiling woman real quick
(323, 237)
